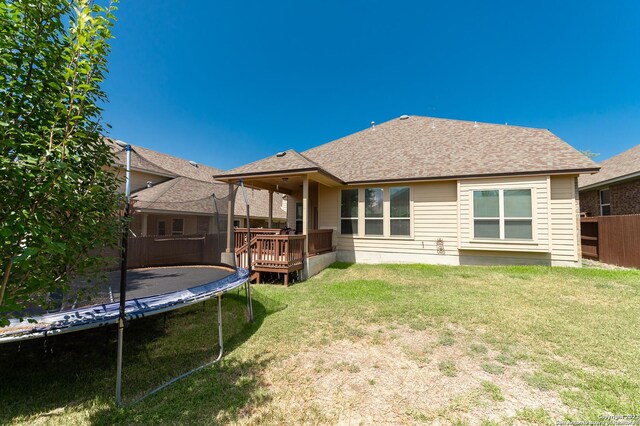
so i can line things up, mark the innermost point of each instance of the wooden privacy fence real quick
(174, 250)
(612, 239)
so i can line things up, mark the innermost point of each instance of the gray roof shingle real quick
(154, 161)
(187, 195)
(423, 148)
(623, 164)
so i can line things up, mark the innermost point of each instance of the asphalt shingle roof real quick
(623, 164)
(154, 161)
(183, 194)
(419, 148)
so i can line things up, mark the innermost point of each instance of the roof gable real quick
(619, 166)
(151, 161)
(288, 160)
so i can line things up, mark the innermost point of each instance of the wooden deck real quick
(272, 250)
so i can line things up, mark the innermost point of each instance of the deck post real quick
(228, 257)
(270, 225)
(305, 214)
(230, 218)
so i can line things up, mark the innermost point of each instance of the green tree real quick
(59, 203)
(589, 154)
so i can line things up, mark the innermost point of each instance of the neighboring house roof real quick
(423, 148)
(623, 166)
(188, 195)
(145, 159)
(286, 161)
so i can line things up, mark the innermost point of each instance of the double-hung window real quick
(605, 202)
(177, 227)
(373, 211)
(162, 227)
(349, 212)
(385, 212)
(504, 214)
(299, 213)
(400, 211)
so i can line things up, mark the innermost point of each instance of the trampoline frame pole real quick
(123, 277)
(190, 372)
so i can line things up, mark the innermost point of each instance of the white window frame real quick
(501, 217)
(386, 215)
(410, 218)
(357, 217)
(605, 204)
(381, 218)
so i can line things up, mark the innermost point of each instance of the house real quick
(615, 190)
(429, 190)
(173, 196)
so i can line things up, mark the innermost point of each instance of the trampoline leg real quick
(249, 301)
(119, 364)
(220, 328)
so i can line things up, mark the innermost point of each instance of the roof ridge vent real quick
(404, 117)
(193, 163)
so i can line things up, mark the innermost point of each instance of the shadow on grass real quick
(76, 372)
(340, 265)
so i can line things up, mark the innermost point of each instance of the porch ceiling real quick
(285, 183)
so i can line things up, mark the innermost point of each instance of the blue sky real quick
(226, 83)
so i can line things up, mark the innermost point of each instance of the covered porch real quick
(305, 246)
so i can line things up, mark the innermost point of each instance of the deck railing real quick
(320, 241)
(240, 234)
(273, 253)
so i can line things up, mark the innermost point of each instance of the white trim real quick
(502, 218)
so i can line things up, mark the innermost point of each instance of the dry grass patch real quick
(365, 383)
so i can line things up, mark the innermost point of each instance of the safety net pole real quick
(123, 277)
(246, 201)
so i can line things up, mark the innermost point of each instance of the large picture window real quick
(503, 214)
(349, 211)
(400, 211)
(387, 211)
(373, 211)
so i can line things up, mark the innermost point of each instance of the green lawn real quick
(360, 343)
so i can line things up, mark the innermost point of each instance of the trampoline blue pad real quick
(148, 296)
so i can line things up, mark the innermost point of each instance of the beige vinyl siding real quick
(139, 180)
(540, 210)
(434, 216)
(564, 234)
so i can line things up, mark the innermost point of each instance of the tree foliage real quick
(59, 204)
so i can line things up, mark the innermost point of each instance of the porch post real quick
(230, 217)
(270, 224)
(305, 213)
(143, 232)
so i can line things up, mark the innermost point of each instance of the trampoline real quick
(150, 291)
